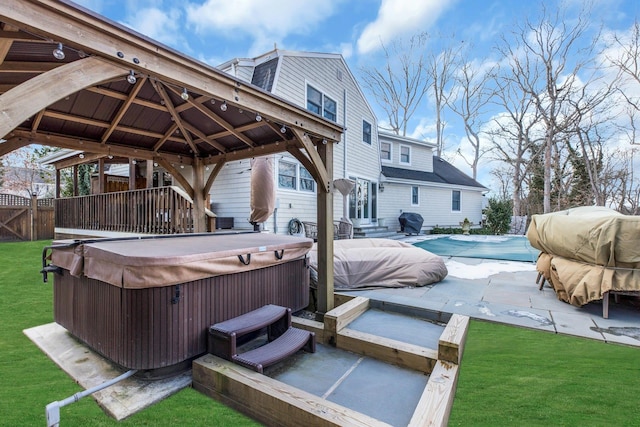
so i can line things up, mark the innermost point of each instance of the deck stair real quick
(283, 339)
(376, 231)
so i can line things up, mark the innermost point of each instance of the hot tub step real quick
(286, 345)
(224, 336)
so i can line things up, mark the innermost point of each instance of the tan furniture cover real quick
(369, 263)
(166, 261)
(587, 251)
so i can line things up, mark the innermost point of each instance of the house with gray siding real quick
(322, 83)
(415, 180)
(392, 174)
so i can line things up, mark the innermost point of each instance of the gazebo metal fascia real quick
(99, 56)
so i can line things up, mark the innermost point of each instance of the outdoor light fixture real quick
(81, 155)
(223, 106)
(131, 78)
(155, 164)
(185, 94)
(283, 129)
(58, 53)
(258, 117)
(110, 156)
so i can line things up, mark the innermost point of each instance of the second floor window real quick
(321, 104)
(385, 151)
(366, 132)
(405, 154)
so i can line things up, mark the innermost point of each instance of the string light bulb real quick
(223, 106)
(184, 95)
(258, 117)
(131, 78)
(58, 53)
(81, 155)
(283, 129)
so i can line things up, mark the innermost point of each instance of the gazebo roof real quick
(116, 92)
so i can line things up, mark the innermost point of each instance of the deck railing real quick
(163, 210)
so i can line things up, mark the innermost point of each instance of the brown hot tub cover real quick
(367, 263)
(587, 251)
(148, 263)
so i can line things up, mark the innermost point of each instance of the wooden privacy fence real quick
(163, 210)
(23, 218)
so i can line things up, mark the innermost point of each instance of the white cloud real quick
(266, 23)
(398, 18)
(161, 25)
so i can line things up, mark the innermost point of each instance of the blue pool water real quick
(511, 248)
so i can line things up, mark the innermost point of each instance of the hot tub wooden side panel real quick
(150, 328)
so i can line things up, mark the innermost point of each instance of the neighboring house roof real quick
(443, 173)
(390, 136)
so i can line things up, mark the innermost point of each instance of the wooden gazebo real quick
(72, 79)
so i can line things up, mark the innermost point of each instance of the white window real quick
(405, 154)
(385, 151)
(366, 132)
(294, 177)
(415, 195)
(321, 104)
(455, 201)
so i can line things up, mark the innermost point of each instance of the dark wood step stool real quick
(286, 345)
(224, 336)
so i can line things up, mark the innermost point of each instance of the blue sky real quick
(215, 31)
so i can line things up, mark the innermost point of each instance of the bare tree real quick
(627, 61)
(470, 97)
(441, 69)
(540, 53)
(24, 176)
(400, 86)
(514, 135)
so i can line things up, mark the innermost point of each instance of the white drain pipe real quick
(53, 409)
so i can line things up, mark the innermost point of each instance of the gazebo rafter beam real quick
(123, 109)
(216, 118)
(159, 88)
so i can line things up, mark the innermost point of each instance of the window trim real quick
(390, 159)
(417, 188)
(370, 142)
(459, 200)
(400, 155)
(297, 178)
(323, 98)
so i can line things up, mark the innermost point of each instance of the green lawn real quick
(519, 377)
(29, 380)
(509, 376)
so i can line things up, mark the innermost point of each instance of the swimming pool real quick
(511, 248)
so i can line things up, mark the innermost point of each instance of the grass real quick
(512, 376)
(509, 376)
(29, 380)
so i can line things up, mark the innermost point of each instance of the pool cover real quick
(509, 248)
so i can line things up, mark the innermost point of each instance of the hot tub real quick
(147, 303)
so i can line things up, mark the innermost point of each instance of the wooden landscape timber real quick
(277, 404)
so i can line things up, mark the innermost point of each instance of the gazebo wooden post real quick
(58, 190)
(199, 220)
(132, 175)
(325, 236)
(101, 176)
(149, 173)
(75, 180)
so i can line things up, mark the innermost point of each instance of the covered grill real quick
(410, 222)
(147, 303)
